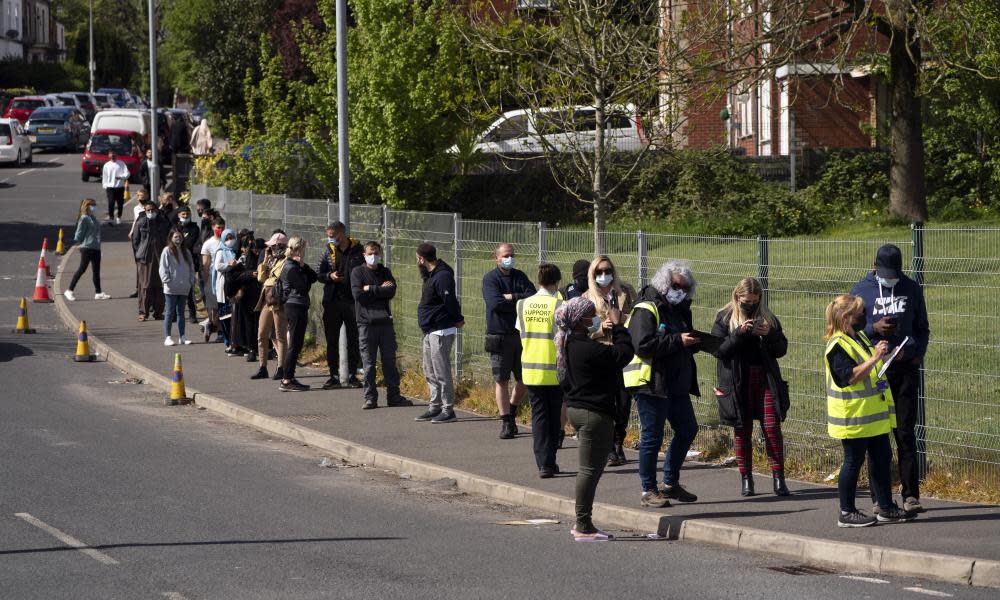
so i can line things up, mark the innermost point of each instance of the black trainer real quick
(279, 374)
(370, 404)
(506, 427)
(894, 514)
(260, 374)
(430, 414)
(293, 386)
(251, 356)
(546, 473)
(400, 401)
(676, 492)
(447, 415)
(614, 460)
(353, 382)
(332, 383)
(855, 518)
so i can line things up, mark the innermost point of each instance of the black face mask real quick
(200, 212)
(748, 309)
(858, 324)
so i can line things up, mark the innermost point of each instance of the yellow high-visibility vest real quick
(859, 410)
(639, 372)
(536, 322)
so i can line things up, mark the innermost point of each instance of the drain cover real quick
(802, 570)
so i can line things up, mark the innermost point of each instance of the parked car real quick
(127, 144)
(88, 104)
(20, 108)
(129, 119)
(199, 113)
(560, 130)
(60, 127)
(15, 146)
(104, 101)
(66, 99)
(121, 96)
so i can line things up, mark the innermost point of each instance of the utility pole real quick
(154, 168)
(344, 192)
(90, 63)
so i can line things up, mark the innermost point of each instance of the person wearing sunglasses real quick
(662, 375)
(607, 291)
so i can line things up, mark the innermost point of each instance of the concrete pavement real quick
(470, 452)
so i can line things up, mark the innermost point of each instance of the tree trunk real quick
(597, 187)
(907, 190)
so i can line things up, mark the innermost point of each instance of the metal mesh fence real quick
(959, 269)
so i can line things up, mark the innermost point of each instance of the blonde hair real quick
(83, 206)
(296, 245)
(748, 285)
(618, 288)
(840, 314)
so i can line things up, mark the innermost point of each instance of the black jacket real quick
(666, 351)
(439, 307)
(150, 237)
(144, 175)
(192, 240)
(297, 280)
(373, 307)
(734, 354)
(500, 312)
(594, 370)
(343, 262)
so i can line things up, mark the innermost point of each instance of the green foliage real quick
(853, 185)
(44, 77)
(714, 192)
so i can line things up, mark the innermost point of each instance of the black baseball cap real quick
(889, 262)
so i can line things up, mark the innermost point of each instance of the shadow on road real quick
(9, 351)
(18, 236)
(206, 543)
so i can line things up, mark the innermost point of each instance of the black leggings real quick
(90, 257)
(297, 316)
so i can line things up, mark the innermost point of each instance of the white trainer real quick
(69, 295)
(184, 341)
(169, 341)
(118, 220)
(102, 296)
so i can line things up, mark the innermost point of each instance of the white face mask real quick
(373, 259)
(676, 296)
(889, 283)
(149, 214)
(230, 243)
(178, 239)
(595, 324)
(604, 279)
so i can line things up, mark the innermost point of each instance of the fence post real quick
(920, 429)
(386, 244)
(251, 212)
(643, 258)
(543, 250)
(329, 213)
(284, 212)
(457, 219)
(763, 264)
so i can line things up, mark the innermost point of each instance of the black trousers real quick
(379, 340)
(116, 200)
(335, 314)
(297, 316)
(546, 413)
(904, 381)
(91, 257)
(623, 412)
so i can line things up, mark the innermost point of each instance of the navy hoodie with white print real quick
(905, 302)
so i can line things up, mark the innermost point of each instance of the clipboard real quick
(707, 342)
(892, 357)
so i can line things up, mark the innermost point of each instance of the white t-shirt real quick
(210, 247)
(114, 174)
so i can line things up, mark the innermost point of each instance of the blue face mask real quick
(676, 296)
(889, 283)
(507, 262)
(595, 324)
(332, 240)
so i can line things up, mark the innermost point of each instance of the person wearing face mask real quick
(88, 236)
(343, 254)
(242, 290)
(894, 310)
(606, 290)
(535, 323)
(209, 248)
(148, 241)
(177, 272)
(860, 412)
(192, 245)
(579, 285)
(503, 288)
(439, 316)
(224, 261)
(296, 279)
(589, 373)
(750, 387)
(373, 288)
(662, 375)
(203, 211)
(269, 306)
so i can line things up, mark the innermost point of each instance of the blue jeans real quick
(880, 455)
(654, 412)
(175, 309)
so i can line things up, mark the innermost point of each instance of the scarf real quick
(567, 317)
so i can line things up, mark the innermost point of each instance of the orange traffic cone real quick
(83, 346)
(41, 289)
(22, 319)
(178, 395)
(60, 248)
(45, 248)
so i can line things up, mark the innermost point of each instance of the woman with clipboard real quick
(750, 387)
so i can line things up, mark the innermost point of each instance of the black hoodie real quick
(439, 308)
(674, 369)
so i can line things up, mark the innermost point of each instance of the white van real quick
(561, 130)
(123, 119)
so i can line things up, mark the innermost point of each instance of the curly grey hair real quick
(665, 274)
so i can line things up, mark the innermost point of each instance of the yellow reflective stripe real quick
(633, 366)
(535, 335)
(538, 366)
(855, 421)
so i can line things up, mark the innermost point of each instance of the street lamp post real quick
(344, 192)
(154, 168)
(90, 63)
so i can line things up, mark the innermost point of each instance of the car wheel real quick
(84, 177)
(31, 158)
(17, 161)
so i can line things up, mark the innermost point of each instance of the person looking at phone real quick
(894, 310)
(860, 412)
(662, 375)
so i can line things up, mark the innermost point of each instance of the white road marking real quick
(934, 593)
(67, 539)
(25, 172)
(54, 160)
(174, 596)
(865, 579)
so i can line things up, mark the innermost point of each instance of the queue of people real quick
(579, 355)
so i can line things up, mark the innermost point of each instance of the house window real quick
(744, 108)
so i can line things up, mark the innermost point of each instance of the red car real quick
(127, 144)
(20, 108)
